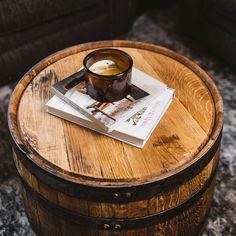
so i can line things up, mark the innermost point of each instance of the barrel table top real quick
(184, 136)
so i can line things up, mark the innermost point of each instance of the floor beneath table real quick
(158, 27)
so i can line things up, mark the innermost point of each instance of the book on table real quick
(108, 116)
(137, 128)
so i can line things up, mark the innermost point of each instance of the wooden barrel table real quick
(78, 182)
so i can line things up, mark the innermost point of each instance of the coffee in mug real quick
(109, 74)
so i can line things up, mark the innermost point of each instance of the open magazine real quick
(108, 116)
(135, 130)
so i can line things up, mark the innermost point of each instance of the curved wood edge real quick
(118, 223)
(23, 83)
(69, 201)
(121, 193)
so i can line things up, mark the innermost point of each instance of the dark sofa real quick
(31, 30)
(213, 23)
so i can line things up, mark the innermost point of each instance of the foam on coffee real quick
(106, 67)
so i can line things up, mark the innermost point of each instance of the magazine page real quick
(144, 121)
(134, 131)
(109, 115)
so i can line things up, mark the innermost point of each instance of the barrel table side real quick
(151, 206)
(111, 188)
(189, 222)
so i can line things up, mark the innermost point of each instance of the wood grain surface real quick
(187, 223)
(78, 182)
(150, 206)
(184, 131)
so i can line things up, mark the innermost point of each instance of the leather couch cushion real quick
(222, 13)
(226, 7)
(31, 32)
(16, 15)
(32, 29)
(213, 23)
(15, 62)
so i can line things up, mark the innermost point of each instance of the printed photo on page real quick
(109, 115)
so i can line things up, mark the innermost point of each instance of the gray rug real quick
(158, 27)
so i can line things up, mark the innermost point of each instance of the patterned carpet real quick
(158, 27)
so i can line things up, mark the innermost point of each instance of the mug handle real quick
(66, 84)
